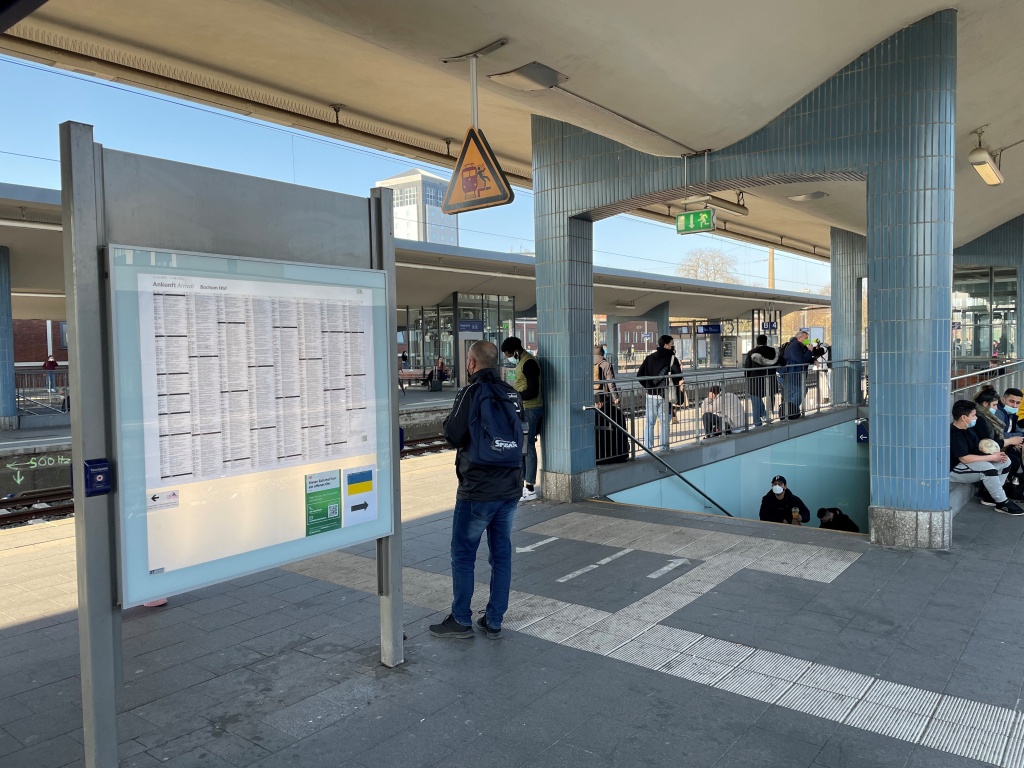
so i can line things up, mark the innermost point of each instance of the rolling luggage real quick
(611, 444)
(435, 384)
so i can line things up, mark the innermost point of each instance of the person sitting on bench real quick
(439, 372)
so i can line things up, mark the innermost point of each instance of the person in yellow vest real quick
(527, 384)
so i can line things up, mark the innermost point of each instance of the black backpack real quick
(496, 426)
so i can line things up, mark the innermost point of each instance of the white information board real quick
(253, 415)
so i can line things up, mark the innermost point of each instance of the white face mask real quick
(777, 489)
(511, 360)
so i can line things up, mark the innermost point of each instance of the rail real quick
(748, 398)
(41, 392)
(13, 510)
(649, 452)
(1000, 378)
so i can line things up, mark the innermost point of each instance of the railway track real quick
(13, 511)
(425, 445)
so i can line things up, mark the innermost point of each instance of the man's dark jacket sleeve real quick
(456, 424)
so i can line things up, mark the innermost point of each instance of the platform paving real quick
(682, 640)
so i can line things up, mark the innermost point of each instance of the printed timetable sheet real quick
(244, 376)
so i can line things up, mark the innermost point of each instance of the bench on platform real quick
(419, 376)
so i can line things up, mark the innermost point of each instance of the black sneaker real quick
(1009, 508)
(451, 628)
(493, 634)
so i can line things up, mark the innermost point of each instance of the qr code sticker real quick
(332, 510)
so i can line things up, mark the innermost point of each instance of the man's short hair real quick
(962, 408)
(762, 340)
(485, 354)
(510, 345)
(664, 339)
(1013, 392)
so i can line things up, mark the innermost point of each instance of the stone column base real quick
(8, 422)
(561, 487)
(911, 528)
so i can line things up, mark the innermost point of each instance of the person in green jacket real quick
(527, 384)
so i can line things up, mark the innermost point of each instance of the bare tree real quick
(708, 264)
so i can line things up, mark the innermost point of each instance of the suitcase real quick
(611, 444)
(435, 385)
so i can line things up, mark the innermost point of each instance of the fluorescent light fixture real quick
(717, 202)
(22, 224)
(530, 77)
(625, 305)
(818, 195)
(985, 166)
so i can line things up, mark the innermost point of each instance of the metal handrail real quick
(997, 377)
(657, 458)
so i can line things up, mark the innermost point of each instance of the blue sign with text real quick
(471, 326)
(713, 330)
(772, 326)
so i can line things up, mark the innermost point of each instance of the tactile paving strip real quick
(754, 685)
(814, 701)
(643, 654)
(965, 741)
(696, 669)
(887, 721)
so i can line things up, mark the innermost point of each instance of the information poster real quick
(253, 414)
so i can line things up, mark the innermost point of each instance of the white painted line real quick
(672, 565)
(538, 544)
(574, 574)
(616, 556)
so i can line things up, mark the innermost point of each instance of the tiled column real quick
(8, 400)
(1019, 314)
(910, 274)
(565, 346)
(849, 267)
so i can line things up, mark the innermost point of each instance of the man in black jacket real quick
(485, 501)
(760, 367)
(781, 505)
(661, 375)
(834, 519)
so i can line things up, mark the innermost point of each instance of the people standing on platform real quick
(486, 426)
(605, 390)
(662, 378)
(50, 366)
(834, 519)
(798, 354)
(528, 385)
(722, 412)
(990, 426)
(631, 357)
(760, 365)
(967, 464)
(781, 505)
(405, 360)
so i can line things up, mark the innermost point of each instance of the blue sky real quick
(37, 99)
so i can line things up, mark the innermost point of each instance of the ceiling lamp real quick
(530, 77)
(983, 162)
(817, 195)
(625, 305)
(716, 202)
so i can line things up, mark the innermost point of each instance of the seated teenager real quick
(967, 464)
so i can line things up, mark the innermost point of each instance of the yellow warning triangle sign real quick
(478, 181)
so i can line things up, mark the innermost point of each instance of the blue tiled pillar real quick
(849, 267)
(8, 401)
(910, 275)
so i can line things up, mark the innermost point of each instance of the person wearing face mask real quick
(990, 426)
(967, 464)
(50, 366)
(781, 505)
(1008, 411)
(661, 376)
(527, 384)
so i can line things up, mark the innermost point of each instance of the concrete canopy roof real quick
(664, 77)
(428, 274)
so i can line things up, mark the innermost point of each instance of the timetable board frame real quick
(245, 507)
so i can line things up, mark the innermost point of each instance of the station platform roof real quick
(428, 273)
(699, 80)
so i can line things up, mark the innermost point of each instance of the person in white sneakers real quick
(967, 464)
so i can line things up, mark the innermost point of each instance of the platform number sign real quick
(695, 221)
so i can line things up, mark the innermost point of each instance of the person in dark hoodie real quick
(797, 356)
(834, 519)
(781, 505)
(759, 366)
(661, 375)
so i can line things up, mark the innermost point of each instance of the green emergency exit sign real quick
(695, 221)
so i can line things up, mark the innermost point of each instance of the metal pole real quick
(473, 106)
(389, 548)
(771, 267)
(99, 622)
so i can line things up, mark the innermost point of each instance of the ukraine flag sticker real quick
(360, 482)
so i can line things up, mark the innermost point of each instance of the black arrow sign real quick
(360, 507)
(154, 497)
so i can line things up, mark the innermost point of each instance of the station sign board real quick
(471, 326)
(690, 222)
(713, 329)
(772, 326)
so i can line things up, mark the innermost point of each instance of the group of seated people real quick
(985, 446)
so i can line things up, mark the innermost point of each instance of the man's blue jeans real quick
(472, 518)
(757, 410)
(535, 422)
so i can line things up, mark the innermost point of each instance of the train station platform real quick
(636, 636)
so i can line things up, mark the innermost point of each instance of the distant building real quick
(418, 197)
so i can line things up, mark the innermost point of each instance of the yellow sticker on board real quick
(478, 181)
